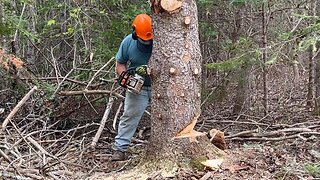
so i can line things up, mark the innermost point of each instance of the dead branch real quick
(6, 157)
(95, 74)
(237, 122)
(103, 122)
(37, 145)
(117, 115)
(299, 135)
(61, 82)
(90, 92)
(243, 134)
(17, 107)
(276, 135)
(54, 79)
(10, 176)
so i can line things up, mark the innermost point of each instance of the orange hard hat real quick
(143, 26)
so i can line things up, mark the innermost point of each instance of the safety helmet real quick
(142, 26)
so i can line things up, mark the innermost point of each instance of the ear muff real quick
(134, 34)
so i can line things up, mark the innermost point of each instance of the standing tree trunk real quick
(30, 55)
(264, 57)
(243, 73)
(317, 64)
(2, 22)
(311, 81)
(176, 81)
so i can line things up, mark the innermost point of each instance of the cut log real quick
(171, 5)
(217, 138)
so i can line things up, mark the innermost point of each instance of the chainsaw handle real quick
(123, 78)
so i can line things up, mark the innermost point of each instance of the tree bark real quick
(176, 81)
(2, 20)
(264, 57)
(30, 54)
(317, 64)
(311, 81)
(243, 73)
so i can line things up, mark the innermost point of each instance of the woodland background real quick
(261, 85)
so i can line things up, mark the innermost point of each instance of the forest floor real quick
(264, 158)
(282, 160)
(285, 146)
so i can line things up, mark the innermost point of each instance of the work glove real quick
(142, 70)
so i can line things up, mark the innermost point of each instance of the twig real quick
(55, 65)
(37, 145)
(9, 176)
(103, 122)
(90, 104)
(95, 74)
(60, 83)
(20, 20)
(18, 106)
(5, 156)
(208, 96)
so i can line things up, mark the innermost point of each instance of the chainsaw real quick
(131, 80)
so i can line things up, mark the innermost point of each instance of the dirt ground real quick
(292, 159)
(288, 160)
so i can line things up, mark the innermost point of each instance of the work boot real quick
(119, 156)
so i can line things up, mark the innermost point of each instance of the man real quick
(134, 53)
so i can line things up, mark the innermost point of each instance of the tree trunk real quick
(243, 73)
(317, 64)
(2, 21)
(176, 81)
(30, 55)
(311, 81)
(264, 57)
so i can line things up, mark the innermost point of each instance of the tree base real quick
(168, 161)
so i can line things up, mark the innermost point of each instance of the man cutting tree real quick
(131, 66)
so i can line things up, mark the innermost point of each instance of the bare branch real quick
(18, 106)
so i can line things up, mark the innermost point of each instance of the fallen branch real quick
(11, 176)
(243, 134)
(236, 122)
(95, 74)
(299, 135)
(37, 145)
(277, 135)
(103, 122)
(61, 82)
(114, 124)
(89, 92)
(18, 106)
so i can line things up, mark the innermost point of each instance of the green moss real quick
(168, 167)
(313, 169)
(196, 163)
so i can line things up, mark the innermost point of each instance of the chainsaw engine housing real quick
(133, 83)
